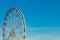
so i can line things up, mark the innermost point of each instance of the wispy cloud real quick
(44, 28)
(44, 37)
(47, 36)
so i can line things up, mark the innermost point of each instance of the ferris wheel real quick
(14, 25)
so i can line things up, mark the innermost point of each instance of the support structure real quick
(14, 26)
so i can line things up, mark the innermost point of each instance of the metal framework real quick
(14, 25)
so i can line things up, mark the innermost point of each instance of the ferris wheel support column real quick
(24, 37)
(24, 29)
(4, 35)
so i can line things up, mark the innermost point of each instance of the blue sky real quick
(42, 17)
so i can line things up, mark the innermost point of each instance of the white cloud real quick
(44, 37)
(44, 28)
